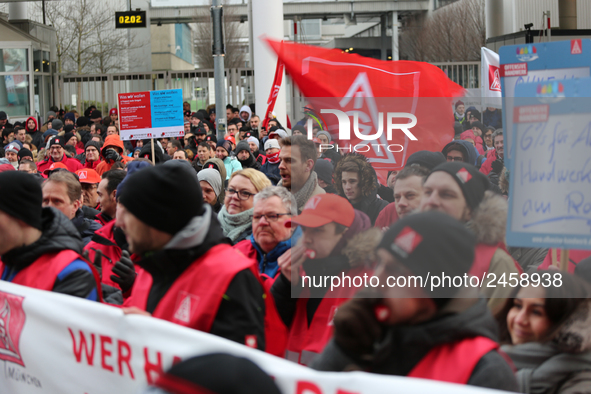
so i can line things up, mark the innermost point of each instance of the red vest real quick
(453, 362)
(305, 341)
(483, 255)
(194, 298)
(43, 273)
(111, 253)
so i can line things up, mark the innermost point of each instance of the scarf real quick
(303, 195)
(234, 225)
(274, 158)
(542, 367)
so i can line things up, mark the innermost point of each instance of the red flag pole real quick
(274, 92)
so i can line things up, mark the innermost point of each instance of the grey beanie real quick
(325, 133)
(212, 177)
(57, 124)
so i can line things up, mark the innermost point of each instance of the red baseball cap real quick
(326, 208)
(230, 138)
(55, 166)
(88, 175)
(113, 111)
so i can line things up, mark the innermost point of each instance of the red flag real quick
(274, 92)
(372, 88)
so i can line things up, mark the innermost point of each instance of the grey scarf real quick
(303, 195)
(542, 368)
(234, 225)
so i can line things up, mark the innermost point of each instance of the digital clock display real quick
(130, 19)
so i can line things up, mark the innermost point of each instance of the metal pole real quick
(218, 65)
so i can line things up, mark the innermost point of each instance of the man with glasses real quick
(273, 208)
(461, 151)
(89, 180)
(57, 155)
(487, 137)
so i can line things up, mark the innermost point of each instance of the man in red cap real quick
(89, 180)
(58, 155)
(335, 244)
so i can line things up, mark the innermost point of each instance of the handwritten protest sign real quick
(550, 174)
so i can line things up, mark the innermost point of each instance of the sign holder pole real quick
(564, 257)
(153, 158)
(554, 256)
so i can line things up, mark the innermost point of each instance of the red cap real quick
(55, 166)
(113, 111)
(88, 175)
(326, 208)
(230, 138)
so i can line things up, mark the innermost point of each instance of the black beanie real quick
(96, 144)
(425, 159)
(67, 136)
(217, 374)
(24, 152)
(472, 182)
(21, 197)
(81, 121)
(432, 244)
(227, 145)
(163, 197)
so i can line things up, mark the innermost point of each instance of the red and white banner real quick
(274, 93)
(53, 343)
(491, 78)
(370, 88)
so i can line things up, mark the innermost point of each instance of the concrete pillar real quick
(17, 11)
(383, 37)
(494, 18)
(267, 19)
(395, 52)
(567, 11)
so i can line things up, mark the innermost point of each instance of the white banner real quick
(53, 343)
(491, 78)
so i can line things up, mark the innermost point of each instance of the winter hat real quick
(458, 103)
(57, 124)
(96, 144)
(58, 141)
(51, 113)
(226, 145)
(254, 140)
(6, 166)
(479, 125)
(3, 115)
(96, 114)
(24, 152)
(425, 159)
(276, 132)
(272, 143)
(21, 197)
(472, 182)
(113, 111)
(242, 145)
(81, 121)
(171, 211)
(212, 177)
(324, 170)
(49, 132)
(325, 133)
(14, 148)
(468, 134)
(67, 136)
(70, 116)
(216, 374)
(211, 137)
(432, 244)
(458, 128)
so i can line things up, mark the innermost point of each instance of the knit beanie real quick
(82, 121)
(67, 136)
(324, 170)
(21, 197)
(227, 145)
(96, 144)
(24, 153)
(170, 211)
(425, 159)
(432, 244)
(472, 182)
(213, 177)
(324, 133)
(216, 374)
(57, 124)
(242, 145)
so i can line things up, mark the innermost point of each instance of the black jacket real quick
(251, 162)
(58, 234)
(371, 206)
(242, 309)
(404, 346)
(86, 227)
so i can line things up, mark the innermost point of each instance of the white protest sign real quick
(53, 343)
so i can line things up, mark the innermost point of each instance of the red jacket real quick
(194, 298)
(104, 241)
(72, 164)
(483, 255)
(491, 155)
(387, 216)
(93, 164)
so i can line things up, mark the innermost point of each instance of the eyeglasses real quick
(270, 217)
(89, 186)
(242, 194)
(451, 158)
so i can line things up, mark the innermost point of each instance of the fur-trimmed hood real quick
(358, 163)
(574, 335)
(361, 249)
(489, 220)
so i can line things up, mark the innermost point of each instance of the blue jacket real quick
(268, 262)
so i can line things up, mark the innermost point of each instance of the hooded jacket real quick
(246, 108)
(58, 234)
(35, 134)
(561, 365)
(86, 227)
(489, 223)
(191, 256)
(404, 346)
(469, 151)
(251, 162)
(111, 141)
(219, 165)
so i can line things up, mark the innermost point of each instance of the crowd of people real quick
(241, 223)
